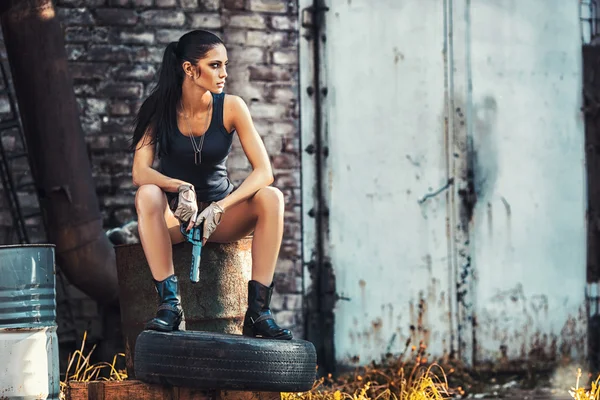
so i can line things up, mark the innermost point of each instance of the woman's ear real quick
(188, 69)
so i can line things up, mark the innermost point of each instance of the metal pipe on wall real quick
(57, 151)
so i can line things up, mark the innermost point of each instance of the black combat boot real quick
(169, 313)
(259, 320)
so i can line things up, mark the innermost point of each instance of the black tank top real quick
(210, 176)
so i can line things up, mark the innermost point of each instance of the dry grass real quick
(392, 379)
(579, 393)
(84, 372)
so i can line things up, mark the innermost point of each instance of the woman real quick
(189, 123)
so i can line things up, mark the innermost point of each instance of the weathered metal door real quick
(519, 76)
(447, 186)
(383, 85)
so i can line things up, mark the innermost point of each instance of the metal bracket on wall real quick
(312, 16)
(312, 149)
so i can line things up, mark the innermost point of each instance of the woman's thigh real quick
(172, 225)
(237, 222)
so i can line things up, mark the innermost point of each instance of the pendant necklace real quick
(195, 146)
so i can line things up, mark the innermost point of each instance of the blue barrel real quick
(28, 343)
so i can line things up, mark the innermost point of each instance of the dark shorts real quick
(173, 199)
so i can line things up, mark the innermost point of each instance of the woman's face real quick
(211, 71)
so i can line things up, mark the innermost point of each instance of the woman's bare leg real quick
(158, 230)
(263, 214)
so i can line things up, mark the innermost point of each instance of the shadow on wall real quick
(484, 148)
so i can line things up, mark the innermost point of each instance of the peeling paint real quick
(518, 237)
(469, 238)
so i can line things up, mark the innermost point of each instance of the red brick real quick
(284, 22)
(286, 161)
(88, 71)
(269, 73)
(165, 3)
(209, 5)
(85, 34)
(116, 16)
(250, 21)
(165, 18)
(120, 108)
(233, 4)
(205, 21)
(289, 56)
(126, 37)
(268, 6)
(126, 90)
(112, 53)
(287, 178)
(75, 16)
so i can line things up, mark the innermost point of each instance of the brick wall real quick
(115, 47)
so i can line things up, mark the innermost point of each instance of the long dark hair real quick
(158, 111)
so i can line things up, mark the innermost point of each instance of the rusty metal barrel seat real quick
(217, 303)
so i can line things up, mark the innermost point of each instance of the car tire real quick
(207, 360)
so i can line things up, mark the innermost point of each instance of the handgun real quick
(194, 236)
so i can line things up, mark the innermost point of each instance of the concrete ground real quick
(520, 394)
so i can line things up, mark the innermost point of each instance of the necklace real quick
(195, 146)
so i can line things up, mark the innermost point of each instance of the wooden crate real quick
(137, 390)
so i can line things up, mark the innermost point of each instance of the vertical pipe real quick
(320, 328)
(59, 163)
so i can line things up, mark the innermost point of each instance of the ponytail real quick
(157, 115)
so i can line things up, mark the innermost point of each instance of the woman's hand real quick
(211, 216)
(187, 208)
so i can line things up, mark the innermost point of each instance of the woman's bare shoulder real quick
(234, 109)
(233, 101)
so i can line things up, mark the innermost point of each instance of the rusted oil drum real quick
(217, 303)
(28, 343)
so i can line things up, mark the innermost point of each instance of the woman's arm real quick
(254, 148)
(142, 172)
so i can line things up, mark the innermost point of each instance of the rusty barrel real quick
(28, 343)
(216, 303)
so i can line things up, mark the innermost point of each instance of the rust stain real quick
(419, 330)
(398, 56)
(508, 210)
(514, 321)
(428, 263)
(363, 293)
(377, 324)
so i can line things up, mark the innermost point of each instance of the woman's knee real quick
(148, 199)
(270, 198)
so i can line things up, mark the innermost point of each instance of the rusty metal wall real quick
(523, 84)
(383, 70)
(454, 178)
